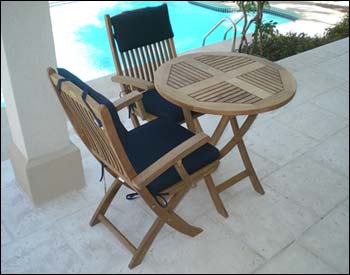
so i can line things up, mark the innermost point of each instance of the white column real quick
(46, 163)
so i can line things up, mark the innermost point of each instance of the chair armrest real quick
(169, 159)
(135, 82)
(127, 99)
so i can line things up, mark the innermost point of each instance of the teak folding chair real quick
(154, 159)
(144, 38)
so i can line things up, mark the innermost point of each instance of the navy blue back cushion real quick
(99, 98)
(155, 104)
(136, 28)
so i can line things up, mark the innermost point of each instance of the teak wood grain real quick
(228, 84)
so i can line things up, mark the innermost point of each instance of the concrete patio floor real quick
(301, 224)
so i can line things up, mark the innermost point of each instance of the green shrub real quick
(277, 46)
(339, 31)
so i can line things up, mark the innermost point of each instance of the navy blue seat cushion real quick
(155, 104)
(149, 142)
(121, 131)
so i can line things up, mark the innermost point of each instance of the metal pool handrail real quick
(233, 25)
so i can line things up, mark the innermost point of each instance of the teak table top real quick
(225, 83)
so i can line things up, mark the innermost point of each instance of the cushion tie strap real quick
(59, 85)
(102, 171)
(131, 108)
(132, 196)
(162, 202)
(83, 96)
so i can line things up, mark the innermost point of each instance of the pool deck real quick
(313, 19)
(301, 224)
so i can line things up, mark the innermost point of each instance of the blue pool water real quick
(84, 48)
(2, 101)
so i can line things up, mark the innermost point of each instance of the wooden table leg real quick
(237, 139)
(190, 125)
(245, 157)
(219, 130)
(237, 136)
(189, 120)
(213, 191)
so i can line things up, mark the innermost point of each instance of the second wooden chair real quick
(144, 38)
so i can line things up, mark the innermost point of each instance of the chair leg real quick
(154, 230)
(106, 201)
(135, 120)
(219, 205)
(146, 243)
(165, 215)
(170, 217)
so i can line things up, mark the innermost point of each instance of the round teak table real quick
(226, 84)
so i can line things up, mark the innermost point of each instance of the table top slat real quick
(225, 83)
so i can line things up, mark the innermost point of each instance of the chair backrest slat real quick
(144, 64)
(144, 61)
(141, 67)
(149, 62)
(165, 50)
(101, 148)
(153, 59)
(156, 53)
(129, 64)
(160, 52)
(134, 63)
(171, 48)
(103, 142)
(125, 66)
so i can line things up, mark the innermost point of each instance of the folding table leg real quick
(237, 139)
(246, 160)
(197, 125)
(215, 196)
(219, 130)
(189, 120)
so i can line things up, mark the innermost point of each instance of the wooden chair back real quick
(103, 142)
(140, 56)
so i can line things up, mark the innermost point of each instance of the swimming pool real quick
(81, 41)
(2, 100)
